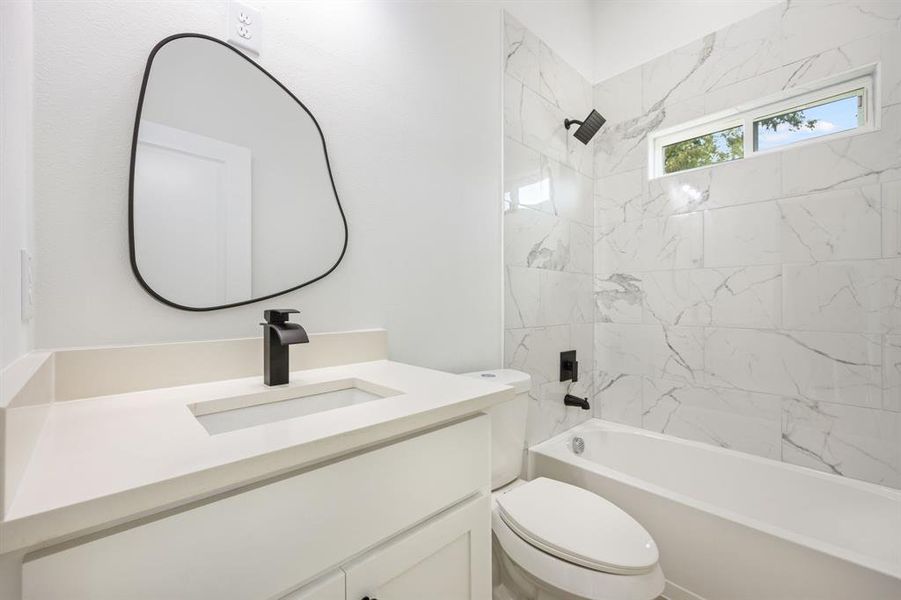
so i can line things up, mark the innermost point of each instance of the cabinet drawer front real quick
(330, 587)
(265, 541)
(447, 558)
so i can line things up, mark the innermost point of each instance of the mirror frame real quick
(131, 178)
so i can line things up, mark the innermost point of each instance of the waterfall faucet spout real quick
(278, 336)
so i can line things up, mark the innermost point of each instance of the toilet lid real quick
(578, 526)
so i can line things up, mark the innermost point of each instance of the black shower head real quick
(588, 127)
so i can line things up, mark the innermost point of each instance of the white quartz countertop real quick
(103, 461)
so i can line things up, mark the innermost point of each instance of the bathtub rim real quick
(557, 448)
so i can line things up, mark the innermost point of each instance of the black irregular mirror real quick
(231, 195)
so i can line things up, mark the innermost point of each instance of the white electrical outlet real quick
(27, 284)
(245, 26)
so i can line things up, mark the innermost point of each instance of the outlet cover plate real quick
(245, 27)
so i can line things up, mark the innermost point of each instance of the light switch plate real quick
(245, 27)
(27, 284)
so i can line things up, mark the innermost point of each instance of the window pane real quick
(704, 150)
(828, 117)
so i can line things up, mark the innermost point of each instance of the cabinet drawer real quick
(265, 541)
(448, 558)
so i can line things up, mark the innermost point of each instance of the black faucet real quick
(278, 335)
(570, 400)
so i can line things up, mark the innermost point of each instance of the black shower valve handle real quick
(569, 366)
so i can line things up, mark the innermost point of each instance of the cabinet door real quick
(330, 587)
(447, 558)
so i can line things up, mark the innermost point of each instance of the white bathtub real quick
(732, 526)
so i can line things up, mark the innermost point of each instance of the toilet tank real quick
(508, 425)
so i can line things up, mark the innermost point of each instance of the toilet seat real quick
(578, 527)
(572, 579)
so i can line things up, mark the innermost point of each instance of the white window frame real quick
(744, 115)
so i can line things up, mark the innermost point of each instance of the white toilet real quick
(552, 540)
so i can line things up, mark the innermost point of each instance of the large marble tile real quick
(513, 106)
(742, 235)
(891, 219)
(845, 440)
(619, 98)
(618, 397)
(534, 181)
(844, 296)
(542, 126)
(662, 77)
(521, 48)
(833, 225)
(571, 191)
(810, 28)
(728, 184)
(536, 350)
(891, 372)
(536, 239)
(539, 297)
(620, 348)
(622, 146)
(618, 298)
(581, 248)
(675, 353)
(883, 48)
(564, 298)
(525, 182)
(654, 244)
(733, 419)
(521, 296)
(851, 161)
(582, 341)
(844, 368)
(805, 74)
(562, 84)
(732, 54)
(737, 297)
(619, 198)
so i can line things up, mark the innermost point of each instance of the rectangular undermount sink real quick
(239, 412)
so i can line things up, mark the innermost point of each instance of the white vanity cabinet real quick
(410, 519)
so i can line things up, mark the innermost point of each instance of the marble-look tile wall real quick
(548, 228)
(756, 305)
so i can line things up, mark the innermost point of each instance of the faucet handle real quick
(278, 316)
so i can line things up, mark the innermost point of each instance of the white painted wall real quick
(16, 94)
(627, 33)
(408, 95)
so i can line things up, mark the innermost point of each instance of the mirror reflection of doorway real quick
(195, 192)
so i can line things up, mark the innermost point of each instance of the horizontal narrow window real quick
(826, 117)
(704, 150)
(843, 105)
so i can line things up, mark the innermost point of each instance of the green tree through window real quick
(725, 145)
